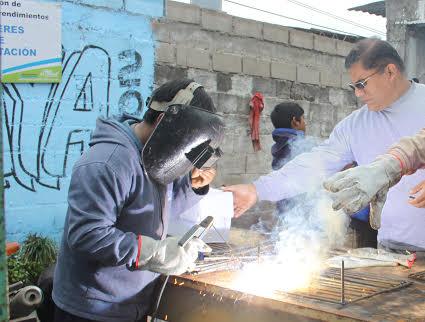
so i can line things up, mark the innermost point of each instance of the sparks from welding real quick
(300, 253)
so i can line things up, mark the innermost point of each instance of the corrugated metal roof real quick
(374, 8)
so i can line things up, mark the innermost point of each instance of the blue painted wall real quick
(108, 67)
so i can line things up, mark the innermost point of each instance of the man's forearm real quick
(411, 152)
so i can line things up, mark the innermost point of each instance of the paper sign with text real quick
(30, 42)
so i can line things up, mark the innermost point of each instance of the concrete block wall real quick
(233, 58)
(108, 54)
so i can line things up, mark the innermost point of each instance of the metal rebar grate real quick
(329, 286)
(419, 276)
(357, 286)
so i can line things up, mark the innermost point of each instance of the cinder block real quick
(345, 79)
(243, 105)
(342, 112)
(228, 63)
(237, 124)
(325, 44)
(305, 106)
(227, 145)
(227, 104)
(182, 56)
(343, 47)
(205, 78)
(165, 53)
(305, 92)
(266, 127)
(183, 12)
(259, 162)
(330, 78)
(336, 96)
(283, 70)
(242, 144)
(189, 35)
(215, 20)
(267, 86)
(112, 4)
(315, 113)
(232, 163)
(247, 28)
(323, 96)
(276, 33)
(301, 39)
(241, 85)
(256, 67)
(164, 73)
(224, 82)
(326, 128)
(193, 57)
(340, 97)
(313, 129)
(308, 75)
(269, 104)
(147, 8)
(283, 88)
(161, 31)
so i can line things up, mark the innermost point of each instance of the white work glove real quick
(168, 257)
(354, 189)
(406, 260)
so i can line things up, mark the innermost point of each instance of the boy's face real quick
(299, 125)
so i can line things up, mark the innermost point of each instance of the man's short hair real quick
(166, 93)
(283, 114)
(374, 53)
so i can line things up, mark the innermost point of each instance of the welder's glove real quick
(168, 257)
(354, 189)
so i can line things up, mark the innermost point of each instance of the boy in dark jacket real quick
(290, 140)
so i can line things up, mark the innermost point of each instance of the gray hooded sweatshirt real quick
(111, 201)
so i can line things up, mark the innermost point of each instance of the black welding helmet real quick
(186, 137)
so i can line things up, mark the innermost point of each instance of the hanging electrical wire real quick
(294, 19)
(336, 17)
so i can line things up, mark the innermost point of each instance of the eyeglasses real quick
(361, 84)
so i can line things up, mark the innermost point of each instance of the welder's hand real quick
(244, 197)
(354, 189)
(419, 192)
(202, 177)
(168, 257)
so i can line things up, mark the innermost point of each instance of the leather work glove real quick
(354, 189)
(168, 257)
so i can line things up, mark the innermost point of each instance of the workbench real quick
(209, 298)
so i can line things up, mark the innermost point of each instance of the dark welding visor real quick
(186, 137)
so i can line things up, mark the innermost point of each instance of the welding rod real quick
(342, 284)
(243, 257)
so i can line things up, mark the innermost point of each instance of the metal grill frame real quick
(357, 286)
(337, 286)
(418, 276)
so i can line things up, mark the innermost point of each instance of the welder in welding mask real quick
(121, 193)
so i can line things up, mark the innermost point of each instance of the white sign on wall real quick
(30, 42)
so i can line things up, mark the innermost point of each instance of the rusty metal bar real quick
(4, 301)
(419, 276)
(342, 284)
